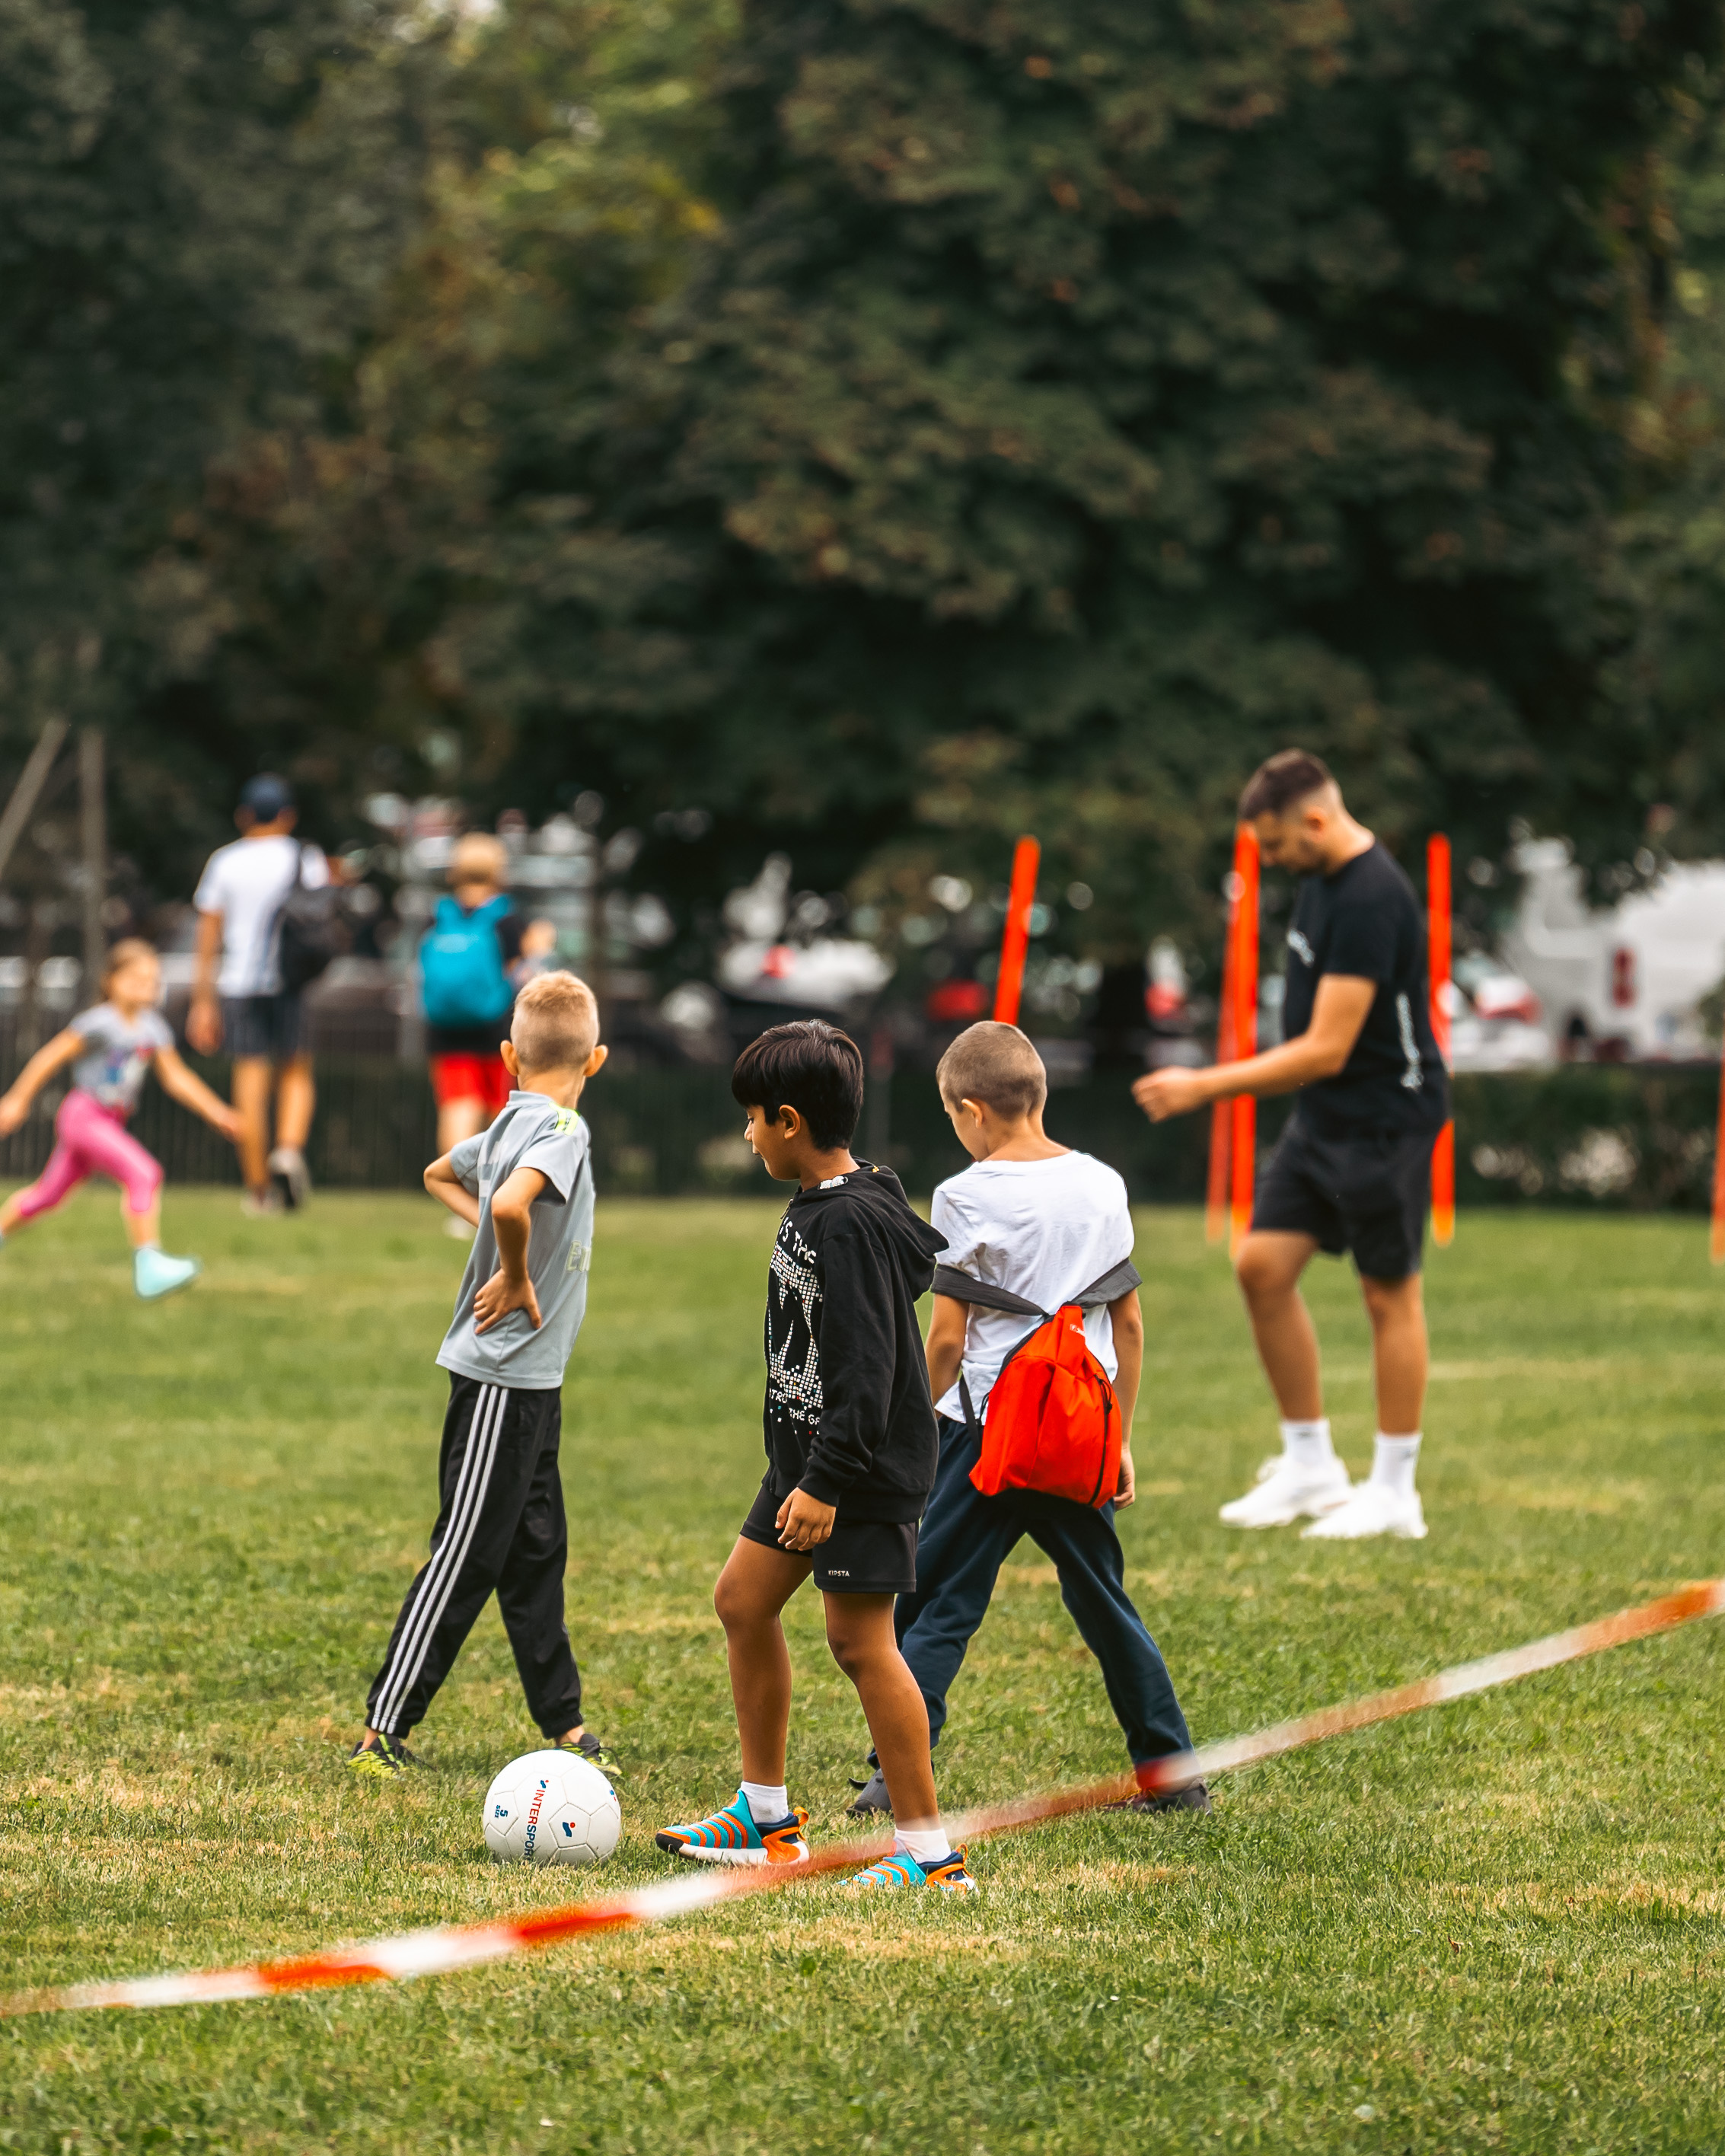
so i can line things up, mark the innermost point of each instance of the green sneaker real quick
(381, 1760)
(593, 1750)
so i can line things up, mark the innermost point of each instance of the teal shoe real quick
(731, 1836)
(952, 1875)
(154, 1273)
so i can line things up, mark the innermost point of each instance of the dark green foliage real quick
(1083, 401)
(884, 427)
(200, 206)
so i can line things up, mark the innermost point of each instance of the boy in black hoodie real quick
(850, 1459)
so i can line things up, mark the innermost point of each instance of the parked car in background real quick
(1494, 1019)
(1622, 982)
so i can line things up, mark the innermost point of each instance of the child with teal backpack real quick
(478, 952)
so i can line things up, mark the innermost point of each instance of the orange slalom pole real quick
(1016, 937)
(1243, 1146)
(1437, 942)
(1718, 1247)
(1215, 1201)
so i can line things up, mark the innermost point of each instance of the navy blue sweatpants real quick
(962, 1543)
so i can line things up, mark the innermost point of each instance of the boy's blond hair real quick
(556, 1025)
(996, 1064)
(477, 857)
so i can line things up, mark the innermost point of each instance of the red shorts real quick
(481, 1078)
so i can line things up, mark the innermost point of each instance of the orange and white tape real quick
(444, 1948)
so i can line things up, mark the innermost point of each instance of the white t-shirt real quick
(246, 883)
(1042, 1229)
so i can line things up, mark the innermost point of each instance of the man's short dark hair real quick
(1290, 775)
(810, 1066)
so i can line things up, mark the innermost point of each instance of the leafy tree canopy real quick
(878, 427)
(1081, 401)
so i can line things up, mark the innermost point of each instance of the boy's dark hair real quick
(1285, 778)
(810, 1066)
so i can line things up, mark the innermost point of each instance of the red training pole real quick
(1216, 1199)
(1244, 1147)
(1437, 943)
(1016, 937)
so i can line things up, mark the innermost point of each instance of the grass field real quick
(1495, 1926)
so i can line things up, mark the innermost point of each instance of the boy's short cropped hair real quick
(556, 1025)
(994, 1063)
(1292, 775)
(810, 1066)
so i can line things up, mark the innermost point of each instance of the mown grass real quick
(1497, 1926)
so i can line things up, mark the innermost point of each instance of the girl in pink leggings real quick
(110, 1047)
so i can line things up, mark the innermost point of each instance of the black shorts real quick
(1368, 1194)
(860, 1557)
(274, 1026)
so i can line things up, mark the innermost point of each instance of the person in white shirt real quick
(243, 1003)
(1044, 1223)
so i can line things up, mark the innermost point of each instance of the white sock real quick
(1307, 1443)
(768, 1803)
(928, 1845)
(1392, 1461)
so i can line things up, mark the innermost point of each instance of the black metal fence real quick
(1586, 1135)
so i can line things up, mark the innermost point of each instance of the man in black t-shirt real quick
(1353, 1171)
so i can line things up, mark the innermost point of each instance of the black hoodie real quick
(848, 1415)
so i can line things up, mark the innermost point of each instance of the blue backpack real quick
(461, 976)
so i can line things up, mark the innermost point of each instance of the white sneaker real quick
(1286, 1491)
(1372, 1510)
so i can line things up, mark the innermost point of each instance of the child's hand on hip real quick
(804, 1522)
(499, 1296)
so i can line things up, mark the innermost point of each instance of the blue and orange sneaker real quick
(951, 1874)
(732, 1836)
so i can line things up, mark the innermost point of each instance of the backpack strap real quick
(965, 1287)
(1118, 1280)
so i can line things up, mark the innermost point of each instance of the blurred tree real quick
(1080, 400)
(1671, 678)
(373, 572)
(201, 205)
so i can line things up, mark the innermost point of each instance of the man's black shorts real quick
(1368, 1194)
(274, 1026)
(860, 1557)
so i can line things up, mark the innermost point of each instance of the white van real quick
(1624, 981)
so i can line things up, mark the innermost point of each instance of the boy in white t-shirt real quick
(1043, 1223)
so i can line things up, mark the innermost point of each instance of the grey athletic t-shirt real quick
(530, 1132)
(117, 1052)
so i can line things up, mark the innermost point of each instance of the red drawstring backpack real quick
(1052, 1422)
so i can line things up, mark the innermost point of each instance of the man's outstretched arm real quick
(1338, 1011)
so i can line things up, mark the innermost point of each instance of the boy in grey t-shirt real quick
(525, 1185)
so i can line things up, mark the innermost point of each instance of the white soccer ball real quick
(551, 1807)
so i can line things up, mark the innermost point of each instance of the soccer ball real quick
(551, 1807)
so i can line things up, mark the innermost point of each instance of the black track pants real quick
(499, 1525)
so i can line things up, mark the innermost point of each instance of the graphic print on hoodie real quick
(848, 1416)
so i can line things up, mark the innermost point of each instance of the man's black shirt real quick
(1365, 922)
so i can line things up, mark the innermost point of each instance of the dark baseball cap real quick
(266, 796)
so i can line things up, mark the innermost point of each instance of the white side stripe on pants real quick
(439, 1582)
